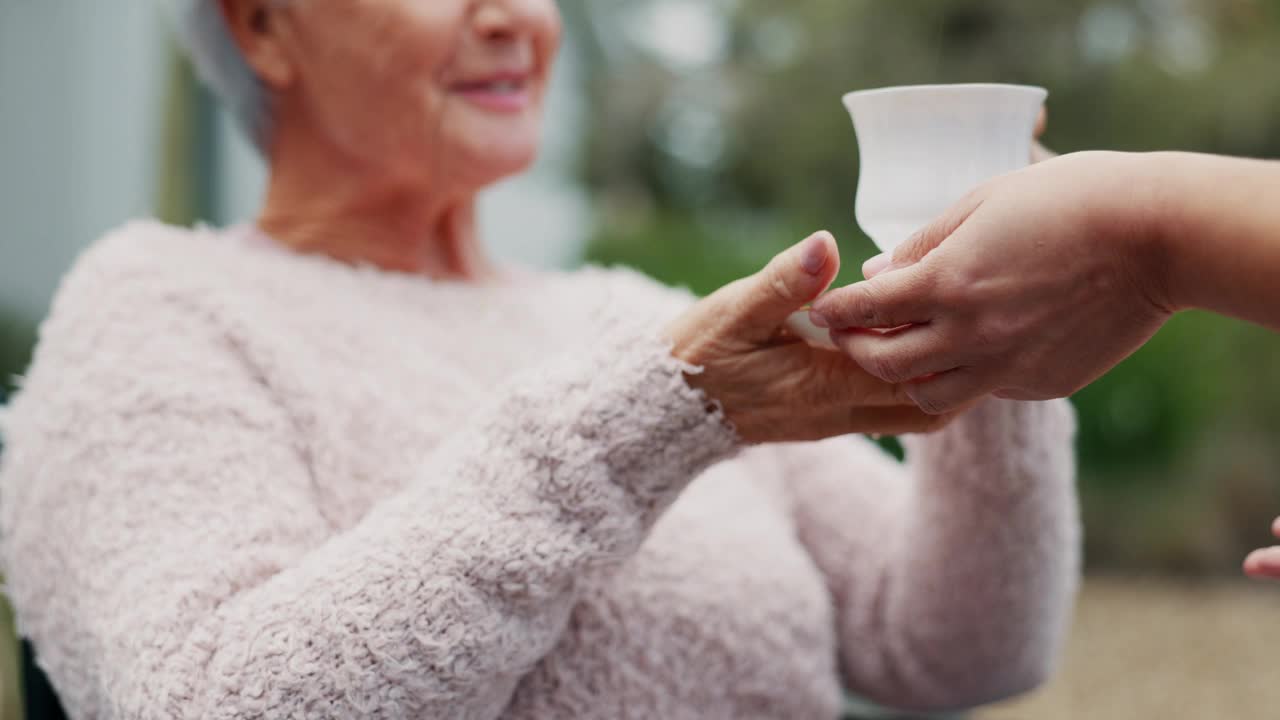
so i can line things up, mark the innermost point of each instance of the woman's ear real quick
(256, 26)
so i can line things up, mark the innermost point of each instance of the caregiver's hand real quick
(774, 387)
(1264, 564)
(1030, 288)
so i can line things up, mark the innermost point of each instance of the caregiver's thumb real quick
(923, 241)
(794, 278)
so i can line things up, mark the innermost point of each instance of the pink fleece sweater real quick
(242, 483)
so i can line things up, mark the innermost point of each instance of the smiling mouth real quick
(506, 85)
(505, 94)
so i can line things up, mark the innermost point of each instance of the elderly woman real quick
(341, 464)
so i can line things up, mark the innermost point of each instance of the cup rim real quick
(933, 88)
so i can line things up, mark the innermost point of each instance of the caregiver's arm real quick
(1042, 280)
(1264, 564)
(1219, 224)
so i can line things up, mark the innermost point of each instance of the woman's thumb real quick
(789, 282)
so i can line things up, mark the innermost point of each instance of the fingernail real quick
(819, 319)
(814, 255)
(876, 265)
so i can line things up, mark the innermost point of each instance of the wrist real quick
(1155, 219)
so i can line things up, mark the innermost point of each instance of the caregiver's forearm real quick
(1219, 235)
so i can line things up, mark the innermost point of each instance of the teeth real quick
(505, 86)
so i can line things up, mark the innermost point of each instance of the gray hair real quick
(203, 33)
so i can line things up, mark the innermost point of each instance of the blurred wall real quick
(79, 99)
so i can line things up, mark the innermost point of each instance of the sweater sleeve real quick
(165, 551)
(953, 576)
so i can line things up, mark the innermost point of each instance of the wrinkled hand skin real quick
(772, 386)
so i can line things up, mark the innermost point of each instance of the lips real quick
(505, 92)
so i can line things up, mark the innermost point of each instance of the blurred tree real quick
(16, 340)
(189, 147)
(10, 694)
(17, 337)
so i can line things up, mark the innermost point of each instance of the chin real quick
(500, 160)
(517, 160)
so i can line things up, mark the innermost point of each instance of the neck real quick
(321, 201)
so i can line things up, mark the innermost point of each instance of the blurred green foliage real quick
(17, 338)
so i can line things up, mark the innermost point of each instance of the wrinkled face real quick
(453, 88)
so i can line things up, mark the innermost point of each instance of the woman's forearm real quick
(952, 576)
(227, 593)
(988, 562)
(471, 574)
(1218, 230)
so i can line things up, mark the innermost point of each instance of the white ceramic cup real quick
(924, 147)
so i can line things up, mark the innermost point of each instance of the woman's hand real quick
(1264, 564)
(1029, 288)
(774, 387)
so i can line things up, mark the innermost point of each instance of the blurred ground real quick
(1165, 649)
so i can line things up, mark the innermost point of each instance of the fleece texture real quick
(245, 483)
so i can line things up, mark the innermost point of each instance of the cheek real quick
(548, 22)
(400, 61)
(380, 37)
(378, 84)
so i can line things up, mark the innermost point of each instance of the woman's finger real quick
(761, 303)
(949, 391)
(899, 420)
(899, 355)
(1263, 564)
(1275, 528)
(830, 379)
